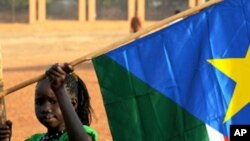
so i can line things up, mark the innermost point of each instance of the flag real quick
(186, 82)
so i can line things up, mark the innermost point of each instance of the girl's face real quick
(47, 108)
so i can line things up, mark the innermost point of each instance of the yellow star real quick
(237, 69)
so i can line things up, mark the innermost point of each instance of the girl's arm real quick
(56, 75)
(72, 122)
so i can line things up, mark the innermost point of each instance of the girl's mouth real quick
(48, 118)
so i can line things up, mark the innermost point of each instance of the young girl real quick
(62, 106)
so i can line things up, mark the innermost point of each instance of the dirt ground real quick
(27, 51)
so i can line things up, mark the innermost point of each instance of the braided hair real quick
(75, 85)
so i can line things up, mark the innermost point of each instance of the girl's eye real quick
(52, 101)
(39, 102)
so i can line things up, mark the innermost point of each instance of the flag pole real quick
(117, 44)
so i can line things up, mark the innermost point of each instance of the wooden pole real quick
(32, 11)
(117, 44)
(131, 9)
(91, 10)
(41, 10)
(141, 9)
(81, 10)
(192, 3)
(201, 2)
(2, 103)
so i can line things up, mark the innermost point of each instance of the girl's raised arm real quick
(57, 74)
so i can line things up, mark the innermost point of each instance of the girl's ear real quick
(74, 102)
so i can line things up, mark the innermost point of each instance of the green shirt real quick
(64, 136)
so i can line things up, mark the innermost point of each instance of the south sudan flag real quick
(187, 82)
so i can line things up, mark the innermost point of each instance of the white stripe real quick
(214, 135)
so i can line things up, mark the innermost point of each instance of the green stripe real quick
(137, 112)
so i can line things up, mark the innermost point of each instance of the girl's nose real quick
(47, 108)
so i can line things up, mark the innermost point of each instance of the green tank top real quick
(64, 136)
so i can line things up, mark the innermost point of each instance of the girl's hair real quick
(75, 85)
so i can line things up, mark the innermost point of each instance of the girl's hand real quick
(6, 131)
(57, 74)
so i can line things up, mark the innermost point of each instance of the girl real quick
(62, 106)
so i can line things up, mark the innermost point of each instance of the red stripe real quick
(225, 138)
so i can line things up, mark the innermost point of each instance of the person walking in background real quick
(135, 24)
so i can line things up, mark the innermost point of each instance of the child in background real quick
(62, 105)
(135, 24)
